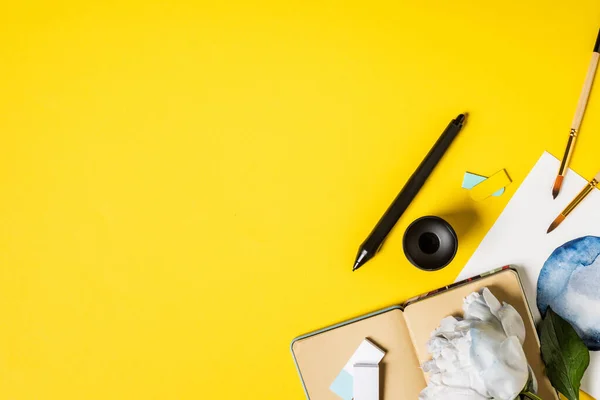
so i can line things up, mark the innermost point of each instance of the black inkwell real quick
(430, 243)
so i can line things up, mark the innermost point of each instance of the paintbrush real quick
(578, 199)
(576, 124)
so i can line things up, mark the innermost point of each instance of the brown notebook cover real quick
(403, 331)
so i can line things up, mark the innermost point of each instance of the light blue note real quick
(471, 180)
(343, 385)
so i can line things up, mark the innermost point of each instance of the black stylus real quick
(372, 244)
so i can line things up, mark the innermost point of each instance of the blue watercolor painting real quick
(570, 284)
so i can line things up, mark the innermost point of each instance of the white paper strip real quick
(366, 382)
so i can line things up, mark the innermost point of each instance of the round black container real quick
(430, 243)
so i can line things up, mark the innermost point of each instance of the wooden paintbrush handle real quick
(585, 92)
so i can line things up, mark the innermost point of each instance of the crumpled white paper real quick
(479, 357)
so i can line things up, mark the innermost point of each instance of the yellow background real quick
(184, 185)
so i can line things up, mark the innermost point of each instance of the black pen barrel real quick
(412, 187)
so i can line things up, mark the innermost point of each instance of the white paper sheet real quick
(519, 236)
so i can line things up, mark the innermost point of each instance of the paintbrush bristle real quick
(556, 223)
(557, 185)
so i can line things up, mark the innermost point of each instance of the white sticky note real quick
(366, 353)
(366, 382)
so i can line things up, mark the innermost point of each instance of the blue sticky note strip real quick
(471, 180)
(343, 385)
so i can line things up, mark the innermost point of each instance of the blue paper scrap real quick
(343, 385)
(471, 180)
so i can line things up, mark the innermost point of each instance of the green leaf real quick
(530, 396)
(565, 355)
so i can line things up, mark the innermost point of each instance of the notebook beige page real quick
(424, 316)
(320, 357)
(403, 334)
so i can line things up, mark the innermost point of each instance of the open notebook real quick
(403, 331)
